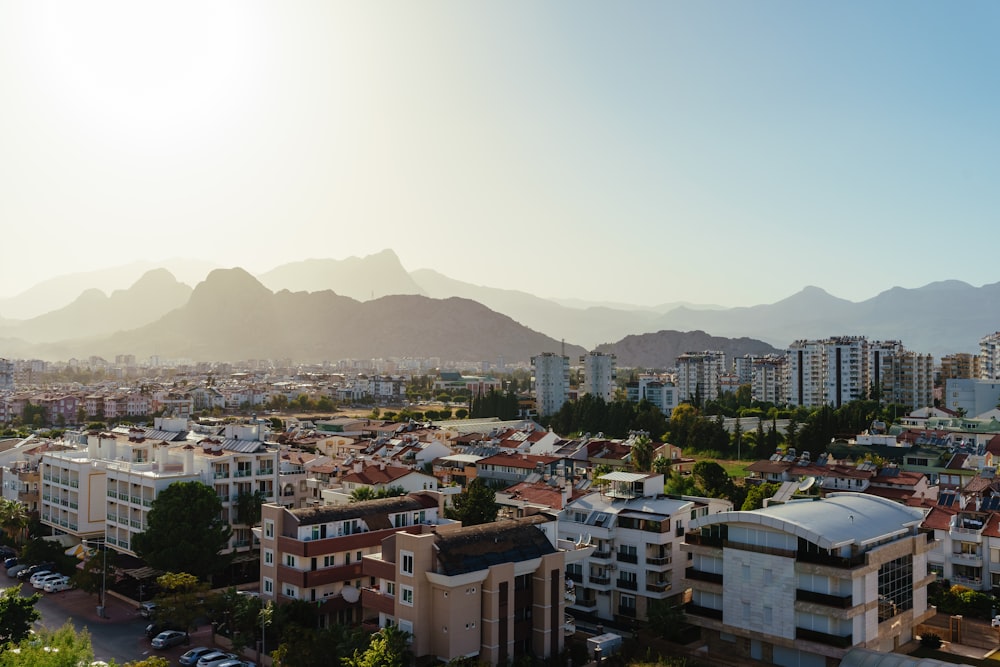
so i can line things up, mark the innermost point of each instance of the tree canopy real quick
(185, 531)
(476, 504)
(17, 614)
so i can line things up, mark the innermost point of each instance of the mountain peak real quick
(228, 287)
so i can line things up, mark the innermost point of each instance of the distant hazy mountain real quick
(62, 290)
(940, 318)
(95, 314)
(615, 305)
(232, 316)
(361, 278)
(587, 327)
(661, 349)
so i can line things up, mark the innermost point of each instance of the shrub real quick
(930, 640)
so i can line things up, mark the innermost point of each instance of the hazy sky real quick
(644, 152)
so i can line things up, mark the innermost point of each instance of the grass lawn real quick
(735, 469)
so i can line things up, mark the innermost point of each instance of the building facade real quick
(698, 375)
(800, 583)
(600, 375)
(551, 380)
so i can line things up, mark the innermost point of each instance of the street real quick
(118, 637)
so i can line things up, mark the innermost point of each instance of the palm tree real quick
(14, 519)
(363, 493)
(642, 453)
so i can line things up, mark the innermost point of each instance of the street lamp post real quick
(104, 574)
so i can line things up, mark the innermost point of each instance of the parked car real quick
(40, 583)
(63, 584)
(169, 638)
(147, 609)
(236, 663)
(10, 562)
(7, 552)
(14, 569)
(190, 658)
(215, 657)
(154, 629)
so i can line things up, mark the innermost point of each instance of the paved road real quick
(118, 636)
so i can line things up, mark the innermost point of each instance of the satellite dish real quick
(806, 484)
(351, 594)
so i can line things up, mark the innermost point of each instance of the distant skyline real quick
(716, 152)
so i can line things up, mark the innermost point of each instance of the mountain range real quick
(325, 309)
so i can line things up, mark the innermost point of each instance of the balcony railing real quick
(701, 575)
(706, 612)
(658, 586)
(626, 611)
(575, 576)
(840, 641)
(703, 540)
(658, 560)
(604, 555)
(839, 601)
(600, 581)
(626, 557)
(628, 584)
(586, 604)
(831, 561)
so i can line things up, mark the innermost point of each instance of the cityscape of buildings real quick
(840, 557)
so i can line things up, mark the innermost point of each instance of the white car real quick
(38, 575)
(40, 583)
(215, 657)
(63, 584)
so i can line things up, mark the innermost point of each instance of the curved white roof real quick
(834, 521)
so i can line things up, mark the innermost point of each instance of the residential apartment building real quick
(989, 357)
(656, 389)
(769, 379)
(698, 375)
(971, 397)
(800, 583)
(133, 468)
(636, 533)
(828, 372)
(961, 365)
(315, 553)
(551, 382)
(899, 375)
(6, 374)
(600, 374)
(494, 591)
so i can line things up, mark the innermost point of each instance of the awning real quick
(143, 573)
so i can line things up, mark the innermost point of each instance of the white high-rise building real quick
(551, 379)
(900, 375)
(989, 357)
(827, 372)
(600, 372)
(769, 380)
(6, 374)
(698, 375)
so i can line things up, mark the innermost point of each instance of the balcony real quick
(600, 581)
(703, 540)
(838, 601)
(658, 560)
(601, 555)
(840, 641)
(322, 577)
(585, 604)
(627, 584)
(243, 473)
(575, 576)
(624, 557)
(705, 612)
(626, 611)
(376, 600)
(658, 586)
(700, 575)
(265, 472)
(831, 561)
(973, 559)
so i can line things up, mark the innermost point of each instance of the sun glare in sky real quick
(713, 152)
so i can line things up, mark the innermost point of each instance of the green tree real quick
(661, 465)
(389, 647)
(476, 504)
(14, 519)
(642, 453)
(248, 507)
(665, 619)
(362, 493)
(757, 494)
(63, 647)
(682, 421)
(92, 577)
(179, 597)
(713, 479)
(185, 531)
(17, 614)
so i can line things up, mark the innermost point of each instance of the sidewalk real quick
(84, 606)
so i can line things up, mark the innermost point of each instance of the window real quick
(745, 572)
(328, 561)
(768, 615)
(406, 596)
(268, 557)
(390, 588)
(290, 560)
(359, 556)
(291, 591)
(268, 585)
(406, 562)
(745, 606)
(269, 528)
(315, 533)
